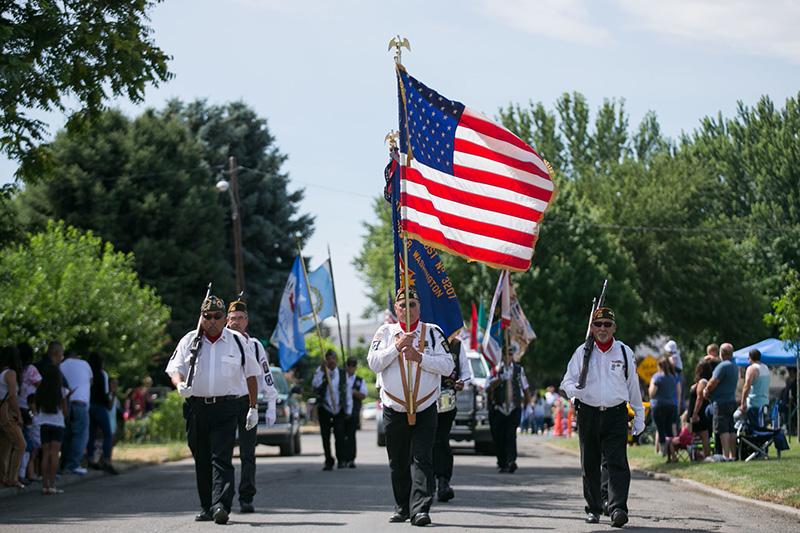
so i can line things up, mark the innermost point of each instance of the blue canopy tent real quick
(774, 352)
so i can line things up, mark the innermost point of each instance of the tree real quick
(143, 186)
(786, 317)
(83, 294)
(375, 261)
(56, 53)
(269, 212)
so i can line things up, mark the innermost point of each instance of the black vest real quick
(449, 382)
(357, 401)
(322, 390)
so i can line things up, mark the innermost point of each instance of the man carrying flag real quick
(410, 358)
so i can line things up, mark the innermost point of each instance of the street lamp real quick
(233, 189)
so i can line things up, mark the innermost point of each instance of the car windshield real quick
(478, 370)
(280, 381)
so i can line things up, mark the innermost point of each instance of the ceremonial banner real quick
(426, 273)
(520, 333)
(287, 335)
(321, 291)
(469, 186)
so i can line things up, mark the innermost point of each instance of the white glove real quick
(184, 390)
(252, 418)
(270, 417)
(637, 426)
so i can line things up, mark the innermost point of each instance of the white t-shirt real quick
(79, 376)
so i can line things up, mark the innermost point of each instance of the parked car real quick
(285, 433)
(369, 411)
(472, 418)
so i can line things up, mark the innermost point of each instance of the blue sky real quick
(320, 73)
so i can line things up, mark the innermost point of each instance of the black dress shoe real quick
(512, 467)
(421, 519)
(592, 518)
(342, 464)
(220, 515)
(605, 507)
(204, 516)
(398, 517)
(351, 464)
(247, 507)
(619, 518)
(328, 466)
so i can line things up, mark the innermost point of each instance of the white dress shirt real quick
(266, 385)
(218, 368)
(606, 385)
(383, 360)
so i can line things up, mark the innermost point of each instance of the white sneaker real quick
(79, 470)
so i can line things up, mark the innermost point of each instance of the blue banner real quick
(287, 335)
(437, 296)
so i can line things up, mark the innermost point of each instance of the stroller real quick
(754, 441)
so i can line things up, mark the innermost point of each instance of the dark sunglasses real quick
(411, 305)
(602, 324)
(214, 316)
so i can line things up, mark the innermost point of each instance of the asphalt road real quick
(295, 495)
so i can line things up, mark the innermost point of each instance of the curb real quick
(700, 487)
(66, 480)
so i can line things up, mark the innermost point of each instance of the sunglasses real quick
(213, 316)
(411, 305)
(602, 324)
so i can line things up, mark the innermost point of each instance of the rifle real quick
(588, 345)
(196, 342)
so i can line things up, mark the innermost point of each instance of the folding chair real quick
(755, 441)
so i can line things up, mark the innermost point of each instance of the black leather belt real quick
(216, 399)
(602, 408)
(78, 402)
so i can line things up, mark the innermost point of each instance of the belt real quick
(215, 399)
(603, 408)
(78, 402)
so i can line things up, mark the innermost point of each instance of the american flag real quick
(469, 186)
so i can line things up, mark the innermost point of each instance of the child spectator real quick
(682, 441)
(51, 399)
(34, 442)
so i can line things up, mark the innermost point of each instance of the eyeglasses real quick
(599, 324)
(213, 316)
(411, 305)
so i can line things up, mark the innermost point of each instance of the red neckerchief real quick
(605, 347)
(213, 340)
(413, 326)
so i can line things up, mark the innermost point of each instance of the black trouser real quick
(603, 437)
(350, 429)
(504, 433)
(328, 420)
(211, 432)
(442, 453)
(247, 454)
(407, 445)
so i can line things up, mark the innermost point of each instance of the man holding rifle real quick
(209, 368)
(610, 382)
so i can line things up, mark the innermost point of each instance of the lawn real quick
(768, 480)
(126, 453)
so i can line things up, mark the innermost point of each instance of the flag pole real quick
(316, 323)
(506, 337)
(398, 43)
(336, 307)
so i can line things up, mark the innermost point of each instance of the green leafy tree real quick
(68, 286)
(786, 316)
(375, 260)
(77, 53)
(270, 218)
(143, 186)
